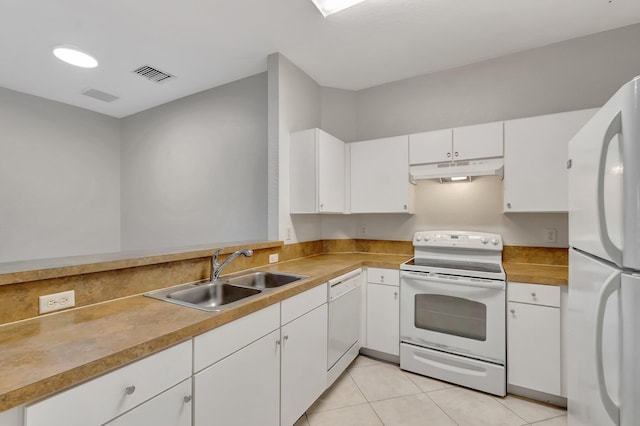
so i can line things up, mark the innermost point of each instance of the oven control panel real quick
(466, 239)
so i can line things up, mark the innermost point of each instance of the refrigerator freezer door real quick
(595, 183)
(587, 277)
(630, 394)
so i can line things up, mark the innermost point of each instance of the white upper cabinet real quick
(380, 176)
(461, 143)
(479, 141)
(430, 147)
(535, 161)
(317, 172)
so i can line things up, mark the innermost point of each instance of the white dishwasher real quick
(344, 322)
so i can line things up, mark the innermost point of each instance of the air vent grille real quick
(100, 95)
(153, 74)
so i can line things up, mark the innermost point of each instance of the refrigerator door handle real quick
(615, 127)
(611, 285)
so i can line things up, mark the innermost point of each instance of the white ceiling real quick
(206, 43)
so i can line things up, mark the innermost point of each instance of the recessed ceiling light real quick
(327, 7)
(75, 57)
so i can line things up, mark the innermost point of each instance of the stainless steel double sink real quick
(221, 294)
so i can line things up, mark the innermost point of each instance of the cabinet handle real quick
(448, 154)
(286, 338)
(187, 399)
(321, 206)
(513, 311)
(381, 278)
(456, 154)
(395, 294)
(533, 294)
(508, 205)
(129, 390)
(277, 342)
(405, 206)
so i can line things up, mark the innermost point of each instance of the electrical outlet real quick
(363, 230)
(288, 238)
(550, 235)
(57, 301)
(273, 258)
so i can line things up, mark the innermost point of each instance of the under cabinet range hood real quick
(467, 168)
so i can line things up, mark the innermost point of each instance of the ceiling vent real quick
(101, 96)
(153, 74)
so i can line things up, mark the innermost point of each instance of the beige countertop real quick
(46, 354)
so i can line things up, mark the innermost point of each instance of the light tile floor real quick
(373, 392)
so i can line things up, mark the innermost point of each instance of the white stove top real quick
(466, 253)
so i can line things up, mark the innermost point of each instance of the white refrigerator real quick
(603, 369)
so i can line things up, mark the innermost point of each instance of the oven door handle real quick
(469, 282)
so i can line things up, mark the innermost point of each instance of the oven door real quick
(460, 315)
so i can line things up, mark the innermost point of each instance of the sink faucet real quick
(216, 268)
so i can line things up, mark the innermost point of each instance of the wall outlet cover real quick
(273, 258)
(57, 301)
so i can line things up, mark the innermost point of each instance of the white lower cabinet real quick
(102, 399)
(304, 363)
(12, 417)
(534, 338)
(243, 388)
(170, 408)
(383, 311)
(266, 368)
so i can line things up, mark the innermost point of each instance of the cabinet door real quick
(479, 141)
(242, 389)
(304, 363)
(533, 347)
(170, 408)
(380, 176)
(535, 161)
(383, 318)
(331, 174)
(430, 147)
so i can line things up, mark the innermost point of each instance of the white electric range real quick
(453, 309)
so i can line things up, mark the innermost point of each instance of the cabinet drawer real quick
(534, 294)
(100, 400)
(302, 303)
(218, 343)
(383, 276)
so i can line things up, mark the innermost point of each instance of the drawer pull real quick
(130, 390)
(513, 311)
(533, 294)
(187, 399)
(381, 278)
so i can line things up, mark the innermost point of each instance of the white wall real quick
(59, 179)
(297, 105)
(195, 170)
(575, 74)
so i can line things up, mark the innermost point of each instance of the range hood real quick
(470, 168)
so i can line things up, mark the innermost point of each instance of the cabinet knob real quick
(508, 205)
(456, 154)
(448, 154)
(187, 399)
(533, 294)
(321, 206)
(381, 278)
(129, 390)
(513, 311)
(277, 342)
(286, 338)
(395, 294)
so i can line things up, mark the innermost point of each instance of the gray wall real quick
(195, 170)
(575, 74)
(59, 179)
(298, 100)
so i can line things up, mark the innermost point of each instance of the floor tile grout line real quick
(441, 409)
